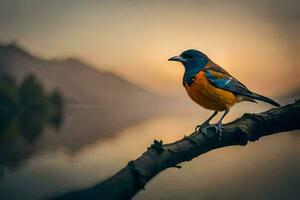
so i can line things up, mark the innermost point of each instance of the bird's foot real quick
(219, 128)
(199, 128)
(204, 127)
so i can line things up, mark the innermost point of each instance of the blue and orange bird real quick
(212, 87)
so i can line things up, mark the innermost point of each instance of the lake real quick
(90, 147)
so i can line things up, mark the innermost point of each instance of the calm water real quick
(89, 148)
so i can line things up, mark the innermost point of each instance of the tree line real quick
(27, 107)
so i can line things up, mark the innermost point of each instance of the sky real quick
(257, 41)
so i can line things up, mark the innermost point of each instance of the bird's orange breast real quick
(208, 96)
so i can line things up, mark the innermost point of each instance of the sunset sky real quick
(257, 41)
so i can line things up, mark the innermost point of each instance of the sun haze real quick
(257, 42)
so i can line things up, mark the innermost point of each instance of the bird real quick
(213, 88)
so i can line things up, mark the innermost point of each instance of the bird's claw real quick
(218, 127)
(200, 127)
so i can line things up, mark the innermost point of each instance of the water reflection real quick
(273, 162)
(84, 153)
(29, 127)
(25, 111)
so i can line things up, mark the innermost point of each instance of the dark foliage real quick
(26, 108)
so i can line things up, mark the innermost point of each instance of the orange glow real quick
(135, 39)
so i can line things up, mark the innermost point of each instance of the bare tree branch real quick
(132, 178)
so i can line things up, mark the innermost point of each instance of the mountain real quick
(98, 104)
(78, 81)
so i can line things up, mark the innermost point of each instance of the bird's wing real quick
(223, 80)
(217, 68)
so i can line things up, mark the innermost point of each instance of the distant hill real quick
(78, 81)
(98, 104)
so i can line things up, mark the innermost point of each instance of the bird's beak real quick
(177, 59)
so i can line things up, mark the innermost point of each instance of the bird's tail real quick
(265, 99)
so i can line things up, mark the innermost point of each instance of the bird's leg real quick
(206, 122)
(218, 126)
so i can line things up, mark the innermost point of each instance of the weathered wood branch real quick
(132, 178)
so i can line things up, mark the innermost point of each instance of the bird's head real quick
(191, 59)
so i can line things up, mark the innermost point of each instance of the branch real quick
(132, 178)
